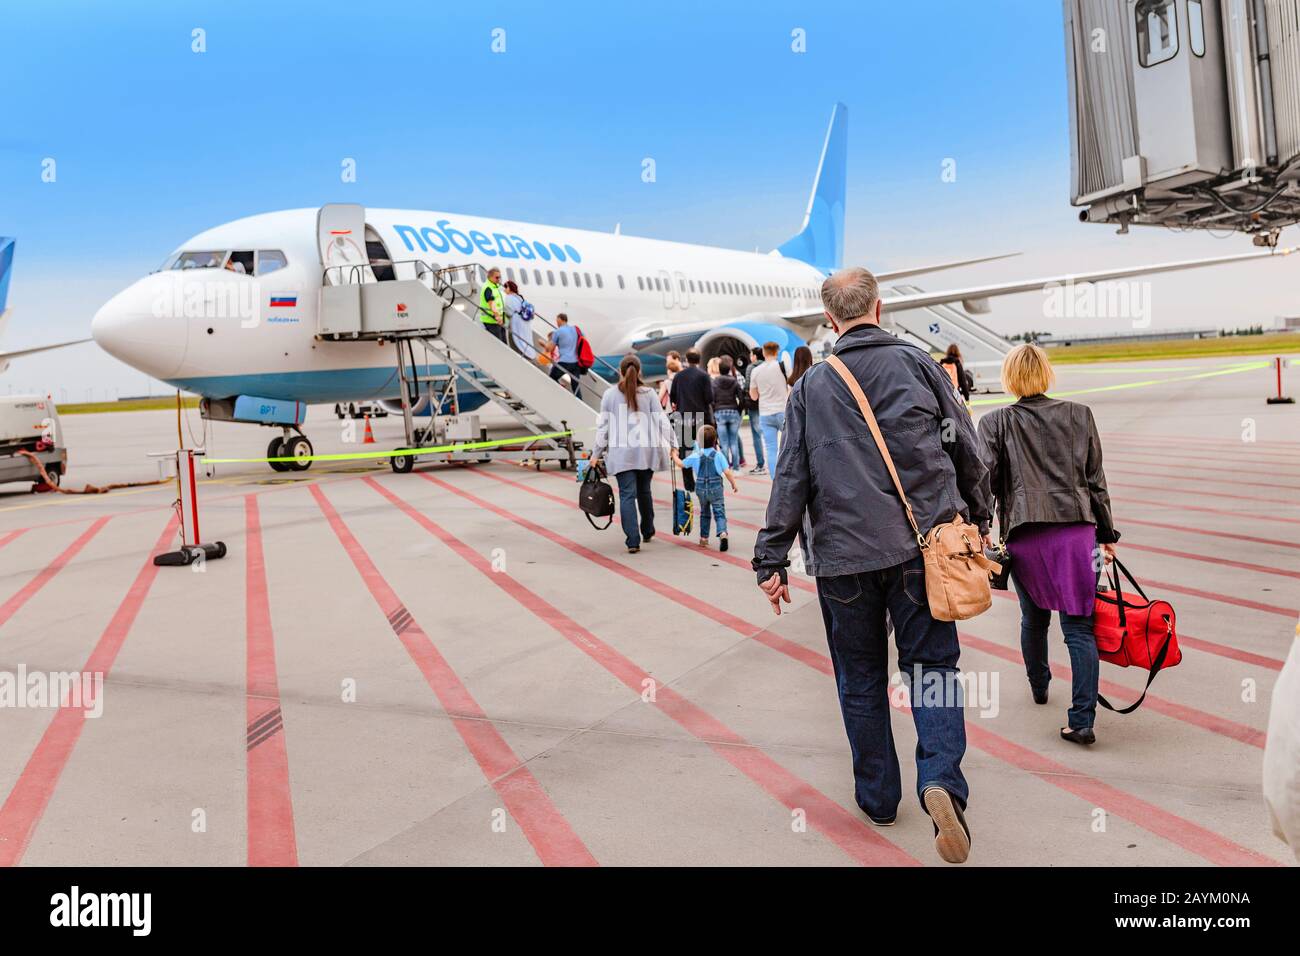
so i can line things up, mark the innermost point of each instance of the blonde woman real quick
(1053, 510)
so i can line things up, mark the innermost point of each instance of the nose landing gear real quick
(290, 446)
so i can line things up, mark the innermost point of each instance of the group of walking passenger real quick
(850, 475)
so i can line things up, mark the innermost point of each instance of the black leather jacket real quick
(1044, 461)
(831, 472)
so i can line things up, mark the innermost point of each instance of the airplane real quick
(7, 246)
(232, 314)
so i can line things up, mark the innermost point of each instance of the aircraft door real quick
(666, 281)
(341, 238)
(683, 290)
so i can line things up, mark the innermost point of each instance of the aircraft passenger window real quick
(640, 283)
(564, 278)
(599, 282)
(1196, 27)
(620, 283)
(240, 263)
(537, 274)
(550, 277)
(523, 277)
(270, 260)
(586, 277)
(1157, 31)
(681, 284)
(199, 260)
(510, 274)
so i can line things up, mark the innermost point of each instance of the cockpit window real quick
(270, 260)
(199, 260)
(240, 262)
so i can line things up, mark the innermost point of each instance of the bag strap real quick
(864, 407)
(605, 525)
(1151, 674)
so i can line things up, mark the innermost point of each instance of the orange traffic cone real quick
(370, 436)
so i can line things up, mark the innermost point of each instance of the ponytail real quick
(629, 371)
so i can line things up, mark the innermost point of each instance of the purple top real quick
(1053, 565)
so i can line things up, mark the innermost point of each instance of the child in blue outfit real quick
(710, 466)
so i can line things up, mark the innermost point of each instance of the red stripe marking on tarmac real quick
(1134, 456)
(271, 839)
(10, 536)
(1223, 650)
(31, 794)
(1189, 715)
(1211, 559)
(828, 817)
(1165, 489)
(1204, 843)
(1182, 832)
(1126, 520)
(1179, 506)
(1289, 612)
(1172, 475)
(737, 624)
(542, 824)
(24, 594)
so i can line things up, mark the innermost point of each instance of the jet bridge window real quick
(270, 260)
(1157, 31)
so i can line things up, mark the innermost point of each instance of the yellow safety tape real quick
(1230, 370)
(398, 453)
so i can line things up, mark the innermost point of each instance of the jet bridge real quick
(430, 316)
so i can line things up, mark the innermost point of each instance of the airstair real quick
(939, 326)
(444, 353)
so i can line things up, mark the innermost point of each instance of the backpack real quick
(525, 312)
(586, 356)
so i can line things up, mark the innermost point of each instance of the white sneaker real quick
(759, 470)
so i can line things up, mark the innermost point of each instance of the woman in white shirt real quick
(633, 436)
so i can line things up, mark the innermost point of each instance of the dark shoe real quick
(951, 835)
(1084, 736)
(887, 822)
(633, 550)
(723, 544)
(647, 537)
(1040, 696)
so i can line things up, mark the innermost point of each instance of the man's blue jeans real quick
(1082, 645)
(728, 422)
(756, 433)
(772, 425)
(634, 494)
(710, 495)
(853, 609)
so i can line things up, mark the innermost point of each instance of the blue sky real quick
(154, 142)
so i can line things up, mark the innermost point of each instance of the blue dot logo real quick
(559, 253)
(542, 251)
(573, 253)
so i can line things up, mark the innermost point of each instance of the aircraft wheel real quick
(402, 464)
(297, 447)
(276, 450)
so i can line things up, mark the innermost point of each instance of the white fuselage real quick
(220, 333)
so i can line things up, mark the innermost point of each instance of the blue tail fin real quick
(6, 263)
(821, 240)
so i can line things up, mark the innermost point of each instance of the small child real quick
(710, 467)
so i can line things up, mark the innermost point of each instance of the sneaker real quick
(723, 544)
(758, 470)
(951, 835)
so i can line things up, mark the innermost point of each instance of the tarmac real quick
(452, 667)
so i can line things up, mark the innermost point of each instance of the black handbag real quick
(998, 580)
(596, 497)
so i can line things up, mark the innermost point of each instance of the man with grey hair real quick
(831, 483)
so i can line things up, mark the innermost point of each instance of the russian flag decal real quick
(284, 301)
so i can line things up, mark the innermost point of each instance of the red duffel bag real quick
(1133, 631)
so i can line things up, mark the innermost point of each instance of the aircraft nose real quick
(141, 327)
